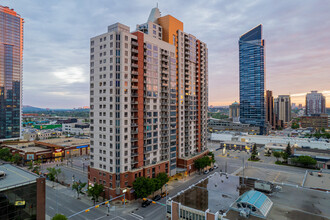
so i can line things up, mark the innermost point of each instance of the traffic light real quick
(97, 206)
(106, 202)
(153, 202)
(144, 199)
(87, 210)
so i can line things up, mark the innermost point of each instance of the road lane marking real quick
(136, 216)
(276, 176)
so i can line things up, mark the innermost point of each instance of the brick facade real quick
(127, 178)
(41, 198)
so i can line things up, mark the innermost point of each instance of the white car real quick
(206, 171)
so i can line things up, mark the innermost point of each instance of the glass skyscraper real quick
(11, 63)
(252, 78)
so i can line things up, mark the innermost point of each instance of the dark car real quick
(157, 197)
(146, 203)
(211, 169)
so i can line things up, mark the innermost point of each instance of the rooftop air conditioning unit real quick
(245, 213)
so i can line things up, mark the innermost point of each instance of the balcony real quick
(135, 43)
(135, 65)
(135, 51)
(135, 72)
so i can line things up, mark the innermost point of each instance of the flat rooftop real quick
(294, 203)
(66, 142)
(215, 193)
(219, 191)
(316, 181)
(15, 176)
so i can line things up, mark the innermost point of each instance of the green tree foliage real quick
(295, 125)
(95, 191)
(285, 156)
(203, 162)
(78, 187)
(212, 157)
(17, 159)
(254, 153)
(5, 154)
(288, 150)
(59, 217)
(53, 174)
(277, 154)
(163, 179)
(304, 160)
(30, 165)
(143, 187)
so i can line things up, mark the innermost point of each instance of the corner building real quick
(148, 95)
(11, 70)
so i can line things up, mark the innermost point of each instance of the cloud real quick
(57, 33)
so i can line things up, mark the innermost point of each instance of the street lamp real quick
(166, 199)
(124, 191)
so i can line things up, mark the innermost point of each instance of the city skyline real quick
(56, 52)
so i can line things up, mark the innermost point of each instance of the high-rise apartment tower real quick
(11, 70)
(283, 108)
(252, 78)
(315, 103)
(148, 94)
(270, 116)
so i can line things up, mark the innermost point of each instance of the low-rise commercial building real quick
(322, 157)
(33, 134)
(317, 121)
(51, 149)
(77, 129)
(227, 125)
(22, 194)
(236, 145)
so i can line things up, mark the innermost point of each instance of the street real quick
(68, 204)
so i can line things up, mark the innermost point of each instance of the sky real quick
(57, 35)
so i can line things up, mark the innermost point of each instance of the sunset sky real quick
(57, 33)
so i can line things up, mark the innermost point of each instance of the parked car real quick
(164, 194)
(157, 197)
(146, 203)
(215, 166)
(206, 171)
(211, 169)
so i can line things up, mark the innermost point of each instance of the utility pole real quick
(165, 199)
(243, 170)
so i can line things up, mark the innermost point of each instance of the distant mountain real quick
(28, 108)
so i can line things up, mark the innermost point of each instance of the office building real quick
(234, 112)
(317, 121)
(315, 103)
(283, 108)
(11, 70)
(252, 78)
(148, 95)
(270, 116)
(22, 194)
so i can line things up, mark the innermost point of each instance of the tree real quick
(78, 186)
(285, 156)
(5, 154)
(198, 164)
(53, 174)
(59, 217)
(254, 153)
(143, 187)
(17, 159)
(288, 150)
(95, 191)
(277, 155)
(306, 160)
(163, 179)
(30, 164)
